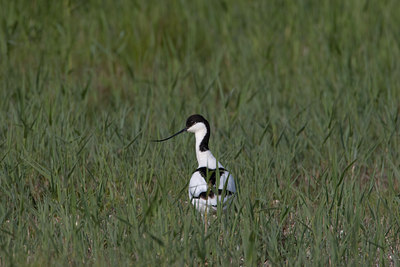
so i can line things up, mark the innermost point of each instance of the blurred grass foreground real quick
(303, 98)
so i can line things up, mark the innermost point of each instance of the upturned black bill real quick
(162, 140)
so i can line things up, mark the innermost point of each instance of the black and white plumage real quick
(210, 183)
(206, 195)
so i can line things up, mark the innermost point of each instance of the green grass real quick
(303, 98)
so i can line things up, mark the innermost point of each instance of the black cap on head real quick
(194, 119)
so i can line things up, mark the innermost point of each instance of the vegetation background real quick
(303, 98)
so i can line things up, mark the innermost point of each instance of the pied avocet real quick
(205, 190)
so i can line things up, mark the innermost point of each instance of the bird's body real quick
(211, 184)
(206, 190)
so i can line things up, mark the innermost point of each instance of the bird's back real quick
(206, 190)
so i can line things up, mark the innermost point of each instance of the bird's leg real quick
(205, 222)
(209, 192)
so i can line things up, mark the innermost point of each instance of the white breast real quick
(197, 185)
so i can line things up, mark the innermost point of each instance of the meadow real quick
(303, 98)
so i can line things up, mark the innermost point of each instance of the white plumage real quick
(199, 186)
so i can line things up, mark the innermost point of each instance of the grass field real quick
(303, 98)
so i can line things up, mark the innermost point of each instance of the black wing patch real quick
(206, 195)
(211, 175)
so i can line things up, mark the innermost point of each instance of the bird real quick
(211, 183)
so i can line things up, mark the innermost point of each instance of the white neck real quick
(205, 158)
